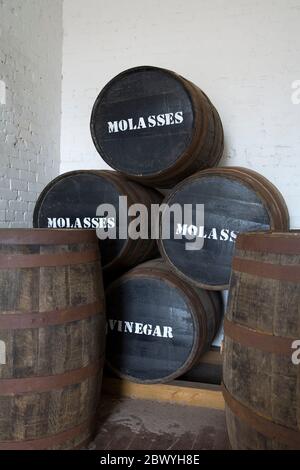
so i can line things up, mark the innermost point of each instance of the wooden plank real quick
(184, 393)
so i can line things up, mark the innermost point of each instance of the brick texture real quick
(30, 104)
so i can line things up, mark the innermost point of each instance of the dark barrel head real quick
(71, 201)
(151, 329)
(143, 121)
(231, 206)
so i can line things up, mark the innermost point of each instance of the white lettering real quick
(123, 125)
(111, 222)
(151, 121)
(168, 332)
(157, 331)
(128, 326)
(77, 223)
(86, 222)
(161, 120)
(113, 127)
(165, 119)
(147, 329)
(224, 234)
(61, 223)
(141, 123)
(140, 328)
(169, 119)
(179, 117)
(214, 233)
(51, 223)
(181, 229)
(233, 236)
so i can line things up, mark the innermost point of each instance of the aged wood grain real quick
(45, 416)
(268, 384)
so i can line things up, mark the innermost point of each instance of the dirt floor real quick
(151, 425)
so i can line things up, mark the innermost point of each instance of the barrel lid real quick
(143, 121)
(153, 335)
(231, 205)
(42, 236)
(72, 199)
(270, 242)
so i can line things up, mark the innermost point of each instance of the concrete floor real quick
(151, 425)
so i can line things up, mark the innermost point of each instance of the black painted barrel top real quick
(235, 200)
(158, 325)
(71, 201)
(155, 126)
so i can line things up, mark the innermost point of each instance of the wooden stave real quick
(250, 426)
(23, 382)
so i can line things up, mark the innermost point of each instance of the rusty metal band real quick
(258, 340)
(287, 273)
(21, 321)
(48, 260)
(43, 236)
(289, 437)
(284, 243)
(49, 441)
(48, 383)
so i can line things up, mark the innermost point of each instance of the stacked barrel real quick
(52, 338)
(262, 347)
(162, 135)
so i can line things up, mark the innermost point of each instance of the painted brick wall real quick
(30, 104)
(243, 53)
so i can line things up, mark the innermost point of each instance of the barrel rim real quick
(46, 236)
(197, 321)
(182, 157)
(271, 241)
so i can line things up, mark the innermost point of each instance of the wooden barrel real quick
(158, 325)
(71, 200)
(52, 338)
(208, 369)
(156, 127)
(261, 381)
(235, 200)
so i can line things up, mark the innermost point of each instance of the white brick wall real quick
(243, 53)
(30, 104)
